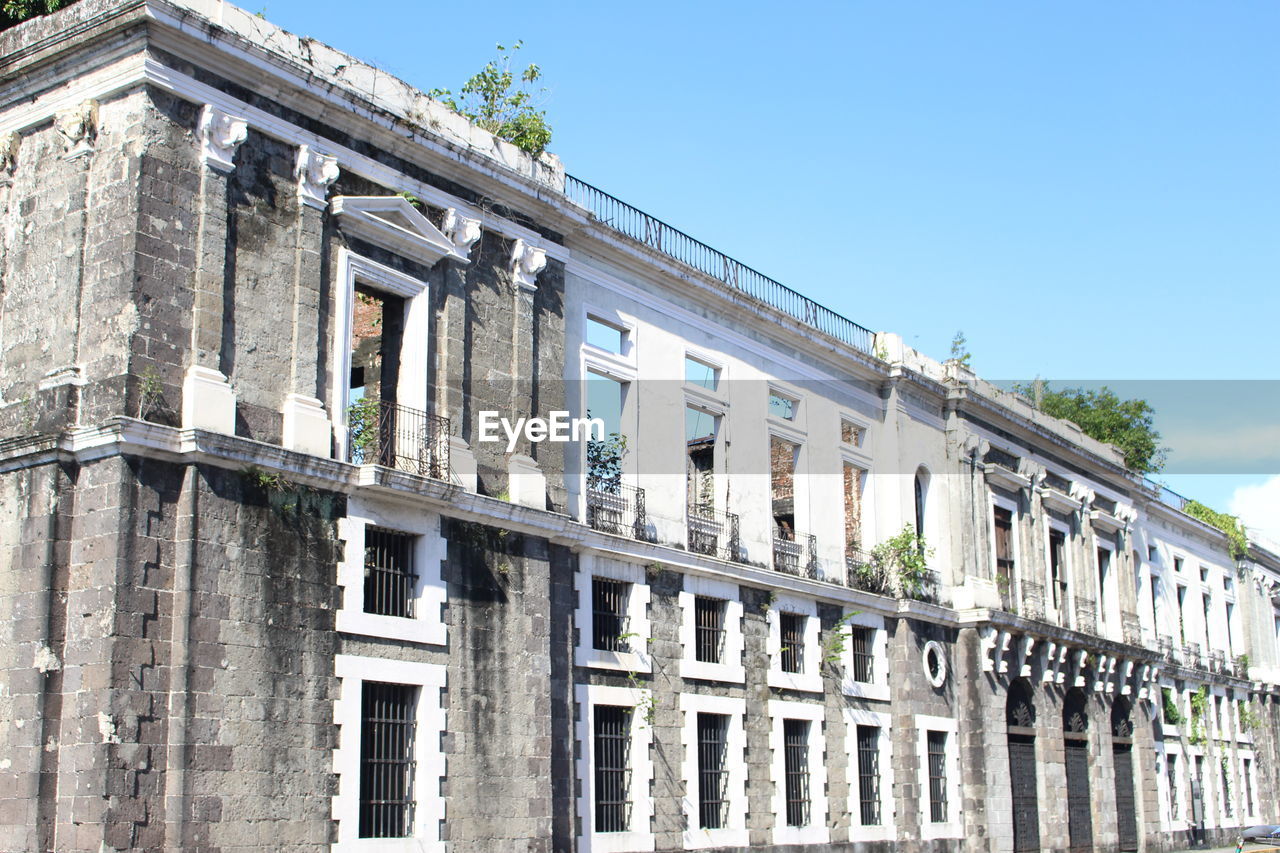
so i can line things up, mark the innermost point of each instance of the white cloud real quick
(1258, 506)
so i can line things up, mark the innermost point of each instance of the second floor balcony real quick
(614, 507)
(795, 553)
(712, 533)
(384, 433)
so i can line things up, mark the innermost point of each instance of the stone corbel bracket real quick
(526, 262)
(463, 231)
(314, 172)
(220, 135)
(1028, 645)
(1062, 665)
(1049, 672)
(1005, 639)
(989, 636)
(1079, 679)
(78, 127)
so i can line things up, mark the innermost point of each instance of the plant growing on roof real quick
(1237, 541)
(502, 103)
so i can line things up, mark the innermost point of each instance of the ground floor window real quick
(387, 730)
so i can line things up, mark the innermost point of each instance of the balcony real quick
(714, 534)
(1086, 617)
(861, 572)
(1165, 647)
(383, 433)
(618, 509)
(1191, 654)
(1033, 605)
(1217, 661)
(795, 553)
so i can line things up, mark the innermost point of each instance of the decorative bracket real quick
(78, 127)
(1005, 637)
(1080, 656)
(1047, 675)
(220, 135)
(463, 231)
(989, 636)
(1028, 644)
(526, 262)
(314, 173)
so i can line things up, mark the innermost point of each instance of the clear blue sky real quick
(1090, 190)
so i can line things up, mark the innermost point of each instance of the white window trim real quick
(879, 686)
(816, 832)
(429, 812)
(1251, 816)
(1066, 606)
(1173, 822)
(591, 566)
(810, 679)
(736, 833)
(624, 361)
(730, 668)
(588, 696)
(429, 553)
(716, 396)
(954, 826)
(1170, 730)
(1001, 502)
(411, 389)
(887, 830)
(1106, 602)
(794, 423)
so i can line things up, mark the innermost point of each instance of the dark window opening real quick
(1058, 568)
(612, 754)
(709, 627)
(390, 582)
(713, 775)
(609, 614)
(937, 777)
(795, 739)
(386, 760)
(792, 635)
(869, 775)
(862, 645)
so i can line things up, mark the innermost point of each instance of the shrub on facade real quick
(506, 107)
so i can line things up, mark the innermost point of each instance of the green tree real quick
(505, 106)
(16, 11)
(1128, 424)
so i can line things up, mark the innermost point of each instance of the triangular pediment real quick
(395, 224)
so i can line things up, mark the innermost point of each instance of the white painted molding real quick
(314, 172)
(462, 230)
(735, 832)
(220, 135)
(78, 127)
(526, 262)
(394, 223)
(306, 425)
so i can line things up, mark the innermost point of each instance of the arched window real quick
(1020, 714)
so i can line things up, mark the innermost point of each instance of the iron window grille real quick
(937, 777)
(869, 775)
(613, 772)
(709, 628)
(609, 614)
(792, 630)
(386, 760)
(390, 579)
(713, 777)
(861, 643)
(795, 739)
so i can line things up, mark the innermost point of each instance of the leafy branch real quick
(1237, 541)
(502, 103)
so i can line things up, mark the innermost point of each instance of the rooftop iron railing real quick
(679, 246)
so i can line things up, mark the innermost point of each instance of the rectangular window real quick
(862, 645)
(605, 336)
(1104, 568)
(701, 374)
(853, 511)
(937, 777)
(709, 625)
(792, 631)
(700, 429)
(390, 582)
(1182, 624)
(1004, 547)
(1058, 568)
(612, 774)
(1227, 807)
(609, 614)
(795, 739)
(781, 406)
(850, 433)
(869, 775)
(713, 775)
(1171, 770)
(386, 760)
(1248, 785)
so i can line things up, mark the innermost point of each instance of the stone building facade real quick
(267, 583)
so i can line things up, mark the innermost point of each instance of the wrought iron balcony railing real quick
(1033, 600)
(1191, 654)
(795, 553)
(1164, 644)
(382, 433)
(1086, 617)
(713, 533)
(1217, 661)
(616, 508)
(861, 572)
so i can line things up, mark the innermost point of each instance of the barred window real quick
(609, 614)
(613, 774)
(869, 774)
(713, 775)
(390, 579)
(386, 760)
(1171, 769)
(937, 777)
(795, 739)
(792, 631)
(1248, 785)
(709, 625)
(862, 644)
